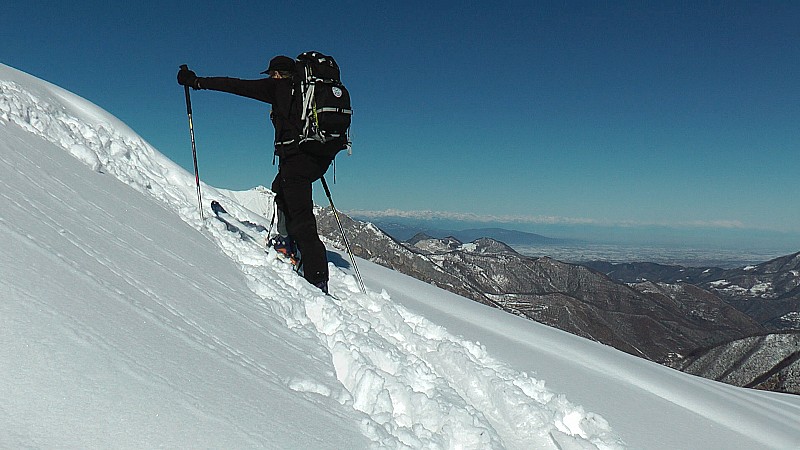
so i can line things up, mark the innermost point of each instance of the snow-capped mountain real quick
(127, 321)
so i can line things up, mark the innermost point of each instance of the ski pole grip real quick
(186, 92)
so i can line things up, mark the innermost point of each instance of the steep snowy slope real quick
(128, 322)
(123, 327)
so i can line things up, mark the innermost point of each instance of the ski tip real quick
(216, 207)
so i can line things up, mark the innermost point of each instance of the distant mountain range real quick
(404, 232)
(767, 292)
(658, 312)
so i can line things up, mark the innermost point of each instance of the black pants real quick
(292, 187)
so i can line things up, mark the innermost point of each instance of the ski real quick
(248, 231)
(231, 224)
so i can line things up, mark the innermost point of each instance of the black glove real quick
(187, 78)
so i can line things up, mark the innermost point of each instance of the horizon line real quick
(556, 220)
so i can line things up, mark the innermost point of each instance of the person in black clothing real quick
(300, 164)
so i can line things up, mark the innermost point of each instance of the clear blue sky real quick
(646, 113)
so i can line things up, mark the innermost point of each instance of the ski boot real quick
(286, 247)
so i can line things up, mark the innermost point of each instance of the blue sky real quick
(647, 115)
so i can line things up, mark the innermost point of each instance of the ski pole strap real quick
(273, 220)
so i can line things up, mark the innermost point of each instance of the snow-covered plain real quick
(126, 321)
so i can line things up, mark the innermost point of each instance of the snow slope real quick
(128, 322)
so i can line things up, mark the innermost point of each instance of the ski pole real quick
(344, 238)
(194, 148)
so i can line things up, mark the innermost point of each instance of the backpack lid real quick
(323, 66)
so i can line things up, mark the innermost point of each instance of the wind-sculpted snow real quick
(94, 137)
(410, 382)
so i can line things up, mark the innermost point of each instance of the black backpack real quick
(325, 110)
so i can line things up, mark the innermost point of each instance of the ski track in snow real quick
(414, 384)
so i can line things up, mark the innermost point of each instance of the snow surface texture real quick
(132, 323)
(415, 384)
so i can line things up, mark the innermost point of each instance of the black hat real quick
(280, 63)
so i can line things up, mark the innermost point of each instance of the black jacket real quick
(278, 92)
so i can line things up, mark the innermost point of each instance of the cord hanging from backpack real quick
(274, 218)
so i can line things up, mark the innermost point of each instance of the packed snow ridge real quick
(410, 382)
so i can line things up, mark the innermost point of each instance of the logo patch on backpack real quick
(336, 92)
